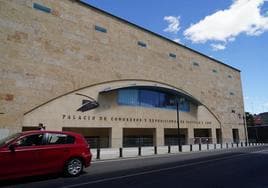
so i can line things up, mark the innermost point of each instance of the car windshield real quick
(7, 139)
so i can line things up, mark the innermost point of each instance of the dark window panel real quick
(172, 55)
(41, 7)
(195, 64)
(142, 44)
(100, 29)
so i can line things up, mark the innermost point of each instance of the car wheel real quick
(73, 167)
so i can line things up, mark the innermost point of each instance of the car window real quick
(31, 140)
(54, 138)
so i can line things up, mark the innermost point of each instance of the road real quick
(243, 167)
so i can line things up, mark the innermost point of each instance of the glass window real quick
(170, 101)
(128, 96)
(185, 106)
(41, 7)
(195, 64)
(172, 55)
(31, 140)
(142, 44)
(150, 98)
(162, 100)
(100, 29)
(59, 139)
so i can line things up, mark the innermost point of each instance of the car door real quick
(9, 165)
(55, 153)
(22, 159)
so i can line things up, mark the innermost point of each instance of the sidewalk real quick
(114, 153)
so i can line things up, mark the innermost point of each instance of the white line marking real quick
(151, 171)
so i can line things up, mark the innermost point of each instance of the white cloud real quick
(243, 16)
(174, 24)
(217, 47)
(177, 40)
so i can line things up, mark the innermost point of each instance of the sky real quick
(232, 31)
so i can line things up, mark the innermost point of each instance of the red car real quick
(43, 152)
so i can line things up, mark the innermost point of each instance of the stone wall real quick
(46, 55)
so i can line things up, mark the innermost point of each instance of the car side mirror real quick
(12, 147)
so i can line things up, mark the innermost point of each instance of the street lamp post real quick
(178, 122)
(245, 128)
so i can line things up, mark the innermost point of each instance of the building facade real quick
(261, 119)
(74, 67)
(258, 131)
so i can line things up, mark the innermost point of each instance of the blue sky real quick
(232, 31)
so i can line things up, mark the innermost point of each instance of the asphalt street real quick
(243, 167)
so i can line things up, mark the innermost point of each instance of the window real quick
(59, 139)
(100, 29)
(214, 70)
(128, 96)
(150, 98)
(142, 44)
(229, 76)
(196, 64)
(185, 106)
(41, 7)
(172, 55)
(31, 140)
(231, 93)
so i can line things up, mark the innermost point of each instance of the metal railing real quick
(137, 141)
